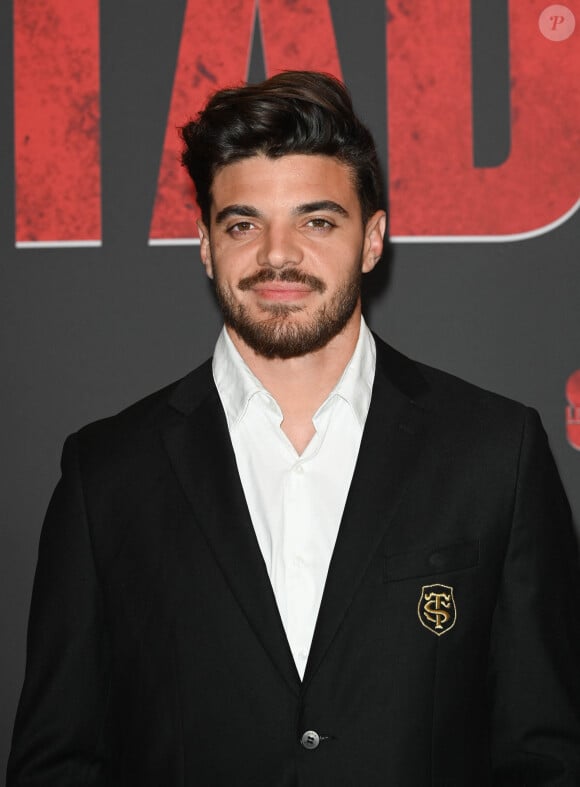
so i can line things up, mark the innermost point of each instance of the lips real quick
(287, 282)
(281, 291)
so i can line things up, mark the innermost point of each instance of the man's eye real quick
(240, 227)
(320, 224)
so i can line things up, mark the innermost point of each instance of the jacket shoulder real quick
(462, 417)
(439, 390)
(137, 429)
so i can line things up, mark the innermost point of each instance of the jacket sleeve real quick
(59, 730)
(534, 677)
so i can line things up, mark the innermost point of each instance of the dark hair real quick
(293, 112)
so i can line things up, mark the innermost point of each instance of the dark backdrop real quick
(85, 331)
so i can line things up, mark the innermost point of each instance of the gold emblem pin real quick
(436, 608)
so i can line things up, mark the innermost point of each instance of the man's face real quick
(286, 248)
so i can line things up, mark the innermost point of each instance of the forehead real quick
(284, 182)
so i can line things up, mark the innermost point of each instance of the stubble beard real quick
(278, 335)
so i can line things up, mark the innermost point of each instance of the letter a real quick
(214, 52)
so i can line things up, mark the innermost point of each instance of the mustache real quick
(287, 275)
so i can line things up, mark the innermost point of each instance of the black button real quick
(310, 739)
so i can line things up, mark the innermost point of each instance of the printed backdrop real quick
(475, 108)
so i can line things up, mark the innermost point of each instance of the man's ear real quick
(375, 229)
(204, 248)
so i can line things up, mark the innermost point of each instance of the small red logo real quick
(573, 410)
(557, 22)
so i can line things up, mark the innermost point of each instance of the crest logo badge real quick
(436, 610)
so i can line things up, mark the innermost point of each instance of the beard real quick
(278, 335)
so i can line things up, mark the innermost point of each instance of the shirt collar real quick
(237, 385)
(235, 382)
(356, 383)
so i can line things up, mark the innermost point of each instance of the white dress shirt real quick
(295, 501)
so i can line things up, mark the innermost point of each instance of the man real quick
(311, 561)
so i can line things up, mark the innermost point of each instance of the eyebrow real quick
(248, 211)
(237, 210)
(325, 204)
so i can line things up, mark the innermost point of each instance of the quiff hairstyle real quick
(302, 112)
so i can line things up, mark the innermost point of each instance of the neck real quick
(300, 385)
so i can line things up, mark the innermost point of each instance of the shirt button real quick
(310, 739)
(298, 469)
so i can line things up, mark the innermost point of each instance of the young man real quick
(312, 561)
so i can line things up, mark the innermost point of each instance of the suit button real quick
(310, 739)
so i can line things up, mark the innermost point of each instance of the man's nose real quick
(279, 247)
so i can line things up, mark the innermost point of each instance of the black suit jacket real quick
(157, 656)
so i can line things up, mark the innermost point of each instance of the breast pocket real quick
(431, 561)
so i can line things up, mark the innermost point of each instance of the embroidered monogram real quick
(436, 608)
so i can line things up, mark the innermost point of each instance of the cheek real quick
(229, 268)
(225, 276)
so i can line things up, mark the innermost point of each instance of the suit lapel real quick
(202, 456)
(390, 446)
(203, 459)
